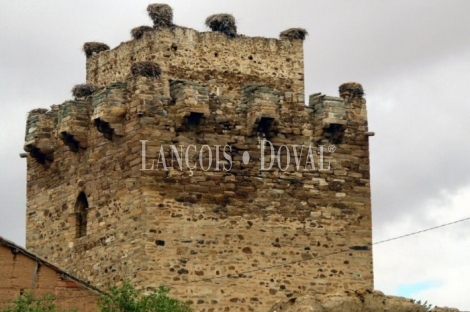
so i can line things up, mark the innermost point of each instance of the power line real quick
(317, 257)
(422, 231)
(295, 261)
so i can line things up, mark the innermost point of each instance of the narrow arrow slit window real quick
(81, 206)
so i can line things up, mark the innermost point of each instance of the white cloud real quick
(439, 256)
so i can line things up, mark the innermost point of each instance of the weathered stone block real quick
(73, 123)
(109, 109)
(40, 138)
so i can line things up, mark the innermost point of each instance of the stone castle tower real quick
(154, 172)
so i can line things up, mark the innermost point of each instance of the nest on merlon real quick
(138, 32)
(161, 15)
(82, 90)
(224, 23)
(294, 33)
(353, 88)
(146, 69)
(38, 111)
(94, 47)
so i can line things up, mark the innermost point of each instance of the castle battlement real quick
(191, 160)
(257, 109)
(212, 57)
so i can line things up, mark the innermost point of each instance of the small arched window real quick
(81, 206)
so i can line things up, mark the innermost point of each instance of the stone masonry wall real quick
(230, 237)
(208, 57)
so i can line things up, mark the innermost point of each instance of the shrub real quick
(28, 303)
(127, 299)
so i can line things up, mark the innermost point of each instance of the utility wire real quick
(422, 231)
(240, 274)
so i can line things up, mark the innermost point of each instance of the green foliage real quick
(119, 299)
(127, 299)
(28, 303)
(425, 305)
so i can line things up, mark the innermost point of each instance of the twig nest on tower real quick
(161, 14)
(224, 23)
(146, 69)
(138, 32)
(94, 47)
(82, 90)
(37, 111)
(294, 33)
(351, 89)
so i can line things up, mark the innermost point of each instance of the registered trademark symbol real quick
(331, 148)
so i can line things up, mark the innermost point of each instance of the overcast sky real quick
(412, 58)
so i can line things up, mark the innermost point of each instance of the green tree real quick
(127, 299)
(28, 303)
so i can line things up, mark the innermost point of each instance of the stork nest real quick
(82, 90)
(224, 23)
(353, 88)
(37, 111)
(294, 33)
(94, 47)
(138, 32)
(146, 69)
(161, 15)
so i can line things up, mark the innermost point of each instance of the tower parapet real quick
(191, 102)
(340, 119)
(73, 123)
(263, 108)
(40, 136)
(109, 108)
(212, 57)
